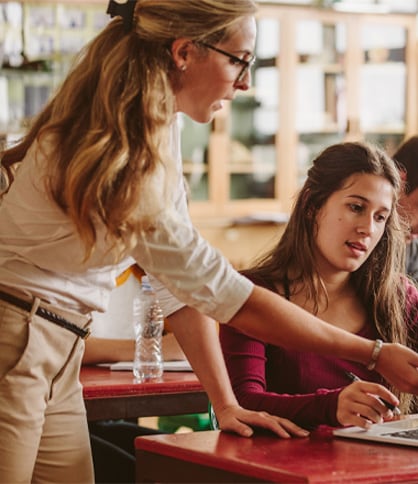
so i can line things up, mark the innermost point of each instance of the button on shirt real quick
(41, 253)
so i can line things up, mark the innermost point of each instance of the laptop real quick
(403, 431)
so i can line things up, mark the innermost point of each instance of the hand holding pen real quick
(387, 404)
(362, 405)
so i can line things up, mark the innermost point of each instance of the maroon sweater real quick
(300, 386)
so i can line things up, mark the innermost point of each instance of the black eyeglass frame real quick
(246, 64)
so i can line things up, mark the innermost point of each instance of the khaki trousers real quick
(43, 427)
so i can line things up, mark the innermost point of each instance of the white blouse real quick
(41, 253)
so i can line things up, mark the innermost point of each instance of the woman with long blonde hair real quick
(98, 187)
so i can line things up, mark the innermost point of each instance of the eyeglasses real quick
(245, 63)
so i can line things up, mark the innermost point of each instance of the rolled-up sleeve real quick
(187, 267)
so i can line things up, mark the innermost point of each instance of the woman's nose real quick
(366, 226)
(245, 83)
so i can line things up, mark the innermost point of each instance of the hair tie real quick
(124, 10)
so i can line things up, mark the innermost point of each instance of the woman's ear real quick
(180, 50)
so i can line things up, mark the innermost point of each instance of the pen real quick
(394, 409)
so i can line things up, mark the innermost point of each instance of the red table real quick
(214, 456)
(115, 395)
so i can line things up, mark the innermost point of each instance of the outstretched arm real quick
(271, 318)
(307, 397)
(198, 337)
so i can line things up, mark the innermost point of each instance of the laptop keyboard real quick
(405, 434)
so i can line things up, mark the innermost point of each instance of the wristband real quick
(378, 345)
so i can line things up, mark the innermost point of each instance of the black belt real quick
(45, 314)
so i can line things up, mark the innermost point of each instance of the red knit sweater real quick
(300, 386)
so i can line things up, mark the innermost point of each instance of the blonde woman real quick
(100, 187)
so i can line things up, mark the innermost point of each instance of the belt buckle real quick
(87, 333)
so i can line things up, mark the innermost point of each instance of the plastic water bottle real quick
(148, 328)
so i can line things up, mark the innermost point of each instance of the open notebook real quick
(172, 365)
(403, 432)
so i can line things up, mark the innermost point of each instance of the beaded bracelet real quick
(378, 345)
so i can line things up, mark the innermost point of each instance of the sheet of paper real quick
(174, 365)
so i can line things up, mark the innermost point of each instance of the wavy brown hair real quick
(378, 282)
(105, 133)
